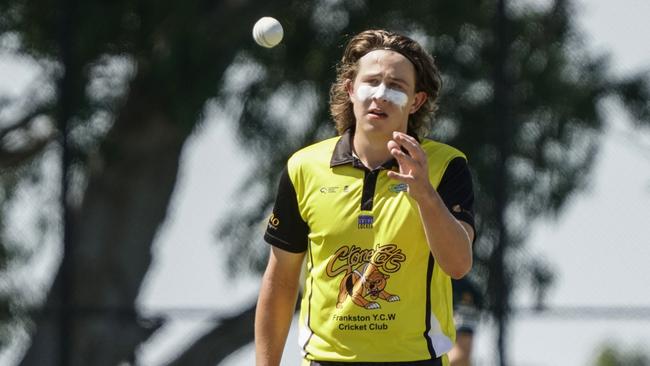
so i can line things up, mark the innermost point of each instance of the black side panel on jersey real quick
(427, 311)
(286, 228)
(456, 191)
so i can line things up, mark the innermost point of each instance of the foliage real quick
(554, 88)
(129, 80)
(136, 76)
(612, 355)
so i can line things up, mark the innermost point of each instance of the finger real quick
(405, 136)
(394, 148)
(403, 159)
(392, 145)
(398, 176)
(410, 144)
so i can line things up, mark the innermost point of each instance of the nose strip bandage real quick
(365, 92)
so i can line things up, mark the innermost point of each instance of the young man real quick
(381, 217)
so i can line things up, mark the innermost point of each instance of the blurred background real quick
(141, 141)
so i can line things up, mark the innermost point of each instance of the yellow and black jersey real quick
(373, 292)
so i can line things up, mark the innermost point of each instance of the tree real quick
(125, 140)
(138, 77)
(520, 97)
(611, 355)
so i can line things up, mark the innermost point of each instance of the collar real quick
(343, 150)
(343, 153)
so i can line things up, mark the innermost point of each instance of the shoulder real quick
(440, 152)
(315, 154)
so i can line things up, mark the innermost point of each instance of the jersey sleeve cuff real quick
(282, 244)
(468, 219)
(465, 217)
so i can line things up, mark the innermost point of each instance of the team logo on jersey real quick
(365, 274)
(365, 222)
(399, 187)
(333, 189)
(274, 222)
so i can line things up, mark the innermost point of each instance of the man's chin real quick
(380, 126)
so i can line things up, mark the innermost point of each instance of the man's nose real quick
(381, 94)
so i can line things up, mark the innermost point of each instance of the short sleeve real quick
(457, 192)
(286, 229)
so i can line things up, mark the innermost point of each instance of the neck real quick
(371, 150)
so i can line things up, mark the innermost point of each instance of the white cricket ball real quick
(267, 32)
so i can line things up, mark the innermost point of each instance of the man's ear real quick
(349, 87)
(420, 98)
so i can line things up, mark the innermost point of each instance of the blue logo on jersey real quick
(365, 222)
(396, 188)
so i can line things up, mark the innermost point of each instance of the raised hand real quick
(413, 167)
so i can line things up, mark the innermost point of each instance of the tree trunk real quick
(500, 284)
(124, 204)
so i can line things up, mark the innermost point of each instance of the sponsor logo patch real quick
(325, 190)
(365, 222)
(399, 187)
(274, 222)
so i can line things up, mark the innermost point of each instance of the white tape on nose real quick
(365, 92)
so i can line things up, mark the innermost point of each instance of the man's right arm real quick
(276, 304)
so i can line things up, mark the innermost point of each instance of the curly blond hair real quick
(427, 77)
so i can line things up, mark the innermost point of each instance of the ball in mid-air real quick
(267, 32)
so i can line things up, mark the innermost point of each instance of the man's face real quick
(383, 93)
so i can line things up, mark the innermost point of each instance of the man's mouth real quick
(377, 113)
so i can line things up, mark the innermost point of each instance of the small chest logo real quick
(334, 189)
(396, 188)
(325, 190)
(365, 222)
